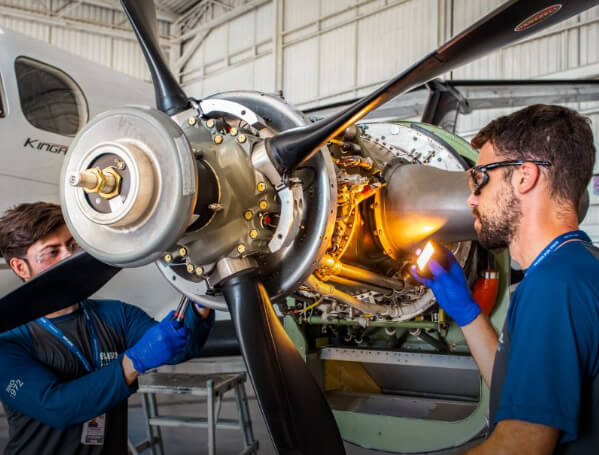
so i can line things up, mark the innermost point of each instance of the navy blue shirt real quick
(548, 352)
(48, 394)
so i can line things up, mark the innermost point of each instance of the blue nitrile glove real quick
(451, 289)
(159, 345)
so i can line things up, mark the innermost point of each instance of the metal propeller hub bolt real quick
(105, 182)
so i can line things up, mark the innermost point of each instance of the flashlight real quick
(425, 255)
(430, 251)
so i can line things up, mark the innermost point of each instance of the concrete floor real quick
(187, 441)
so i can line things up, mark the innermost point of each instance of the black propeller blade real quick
(66, 283)
(293, 405)
(170, 98)
(513, 21)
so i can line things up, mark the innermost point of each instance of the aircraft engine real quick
(191, 195)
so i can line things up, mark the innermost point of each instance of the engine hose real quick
(331, 291)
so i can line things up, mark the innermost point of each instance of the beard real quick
(498, 229)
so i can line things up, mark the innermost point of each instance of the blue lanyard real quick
(555, 244)
(48, 325)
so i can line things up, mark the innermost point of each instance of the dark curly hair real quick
(553, 133)
(25, 224)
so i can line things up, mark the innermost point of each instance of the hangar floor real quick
(187, 441)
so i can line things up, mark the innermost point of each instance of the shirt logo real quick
(107, 357)
(13, 387)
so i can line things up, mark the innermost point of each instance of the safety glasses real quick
(479, 176)
(52, 253)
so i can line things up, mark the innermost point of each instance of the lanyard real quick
(50, 327)
(555, 244)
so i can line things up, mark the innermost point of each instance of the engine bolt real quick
(253, 233)
(263, 205)
(199, 270)
(120, 165)
(241, 138)
(190, 268)
(261, 186)
(191, 121)
(241, 248)
(210, 123)
(182, 251)
(215, 206)
(218, 139)
(248, 215)
(233, 131)
(168, 258)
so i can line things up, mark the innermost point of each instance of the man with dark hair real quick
(65, 378)
(532, 171)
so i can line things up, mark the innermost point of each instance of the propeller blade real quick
(513, 21)
(170, 98)
(58, 287)
(291, 401)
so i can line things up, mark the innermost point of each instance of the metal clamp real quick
(292, 208)
(291, 195)
(227, 267)
(217, 107)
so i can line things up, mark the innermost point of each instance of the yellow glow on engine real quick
(408, 230)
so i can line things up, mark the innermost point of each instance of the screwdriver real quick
(179, 314)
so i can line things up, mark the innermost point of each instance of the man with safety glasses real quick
(65, 378)
(543, 371)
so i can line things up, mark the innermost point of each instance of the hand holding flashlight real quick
(447, 282)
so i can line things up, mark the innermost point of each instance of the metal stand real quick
(213, 387)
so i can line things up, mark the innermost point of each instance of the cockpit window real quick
(50, 99)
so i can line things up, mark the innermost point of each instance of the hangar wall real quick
(97, 33)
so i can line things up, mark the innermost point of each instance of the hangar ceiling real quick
(179, 17)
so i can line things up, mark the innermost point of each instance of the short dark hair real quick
(553, 133)
(25, 224)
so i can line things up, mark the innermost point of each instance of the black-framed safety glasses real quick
(479, 176)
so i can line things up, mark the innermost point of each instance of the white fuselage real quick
(32, 157)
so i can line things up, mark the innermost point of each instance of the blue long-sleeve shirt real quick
(48, 394)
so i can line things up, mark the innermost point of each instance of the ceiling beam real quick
(227, 17)
(163, 14)
(124, 32)
(63, 10)
(190, 49)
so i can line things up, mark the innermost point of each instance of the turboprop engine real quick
(190, 194)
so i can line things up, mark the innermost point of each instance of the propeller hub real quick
(128, 186)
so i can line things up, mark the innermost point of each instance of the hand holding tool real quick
(159, 345)
(450, 287)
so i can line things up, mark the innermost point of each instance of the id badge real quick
(93, 431)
